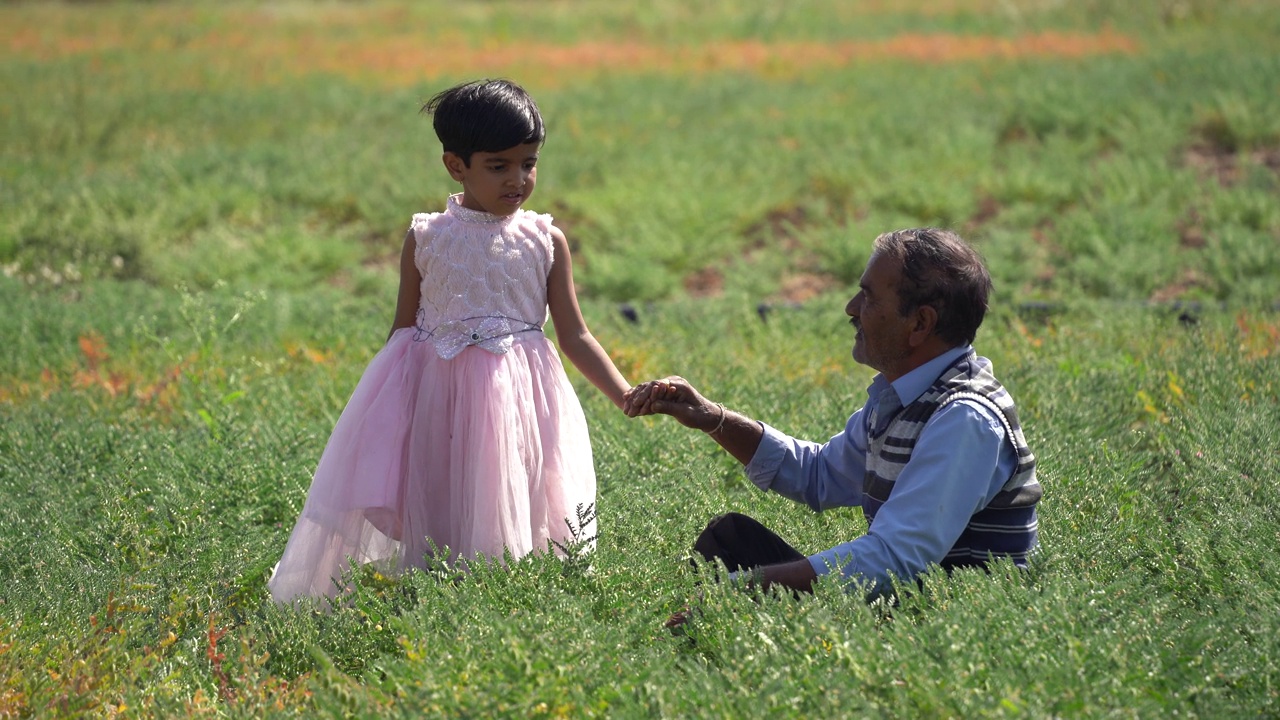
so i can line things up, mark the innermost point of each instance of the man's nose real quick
(854, 308)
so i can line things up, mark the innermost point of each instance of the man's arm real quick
(738, 434)
(816, 474)
(960, 462)
(794, 468)
(798, 575)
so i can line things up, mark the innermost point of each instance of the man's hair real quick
(484, 116)
(940, 270)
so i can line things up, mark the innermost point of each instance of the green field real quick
(201, 207)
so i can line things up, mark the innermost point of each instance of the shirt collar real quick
(913, 384)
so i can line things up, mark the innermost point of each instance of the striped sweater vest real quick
(1006, 527)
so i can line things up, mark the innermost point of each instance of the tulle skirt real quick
(479, 454)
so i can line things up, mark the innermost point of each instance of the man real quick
(936, 458)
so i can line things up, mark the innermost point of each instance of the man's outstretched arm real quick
(738, 434)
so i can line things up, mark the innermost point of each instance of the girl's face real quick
(496, 182)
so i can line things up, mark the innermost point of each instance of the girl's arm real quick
(576, 341)
(410, 287)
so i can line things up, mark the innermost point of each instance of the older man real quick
(936, 458)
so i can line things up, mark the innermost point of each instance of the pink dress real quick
(463, 430)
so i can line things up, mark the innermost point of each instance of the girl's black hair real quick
(484, 116)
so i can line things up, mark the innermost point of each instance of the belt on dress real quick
(491, 332)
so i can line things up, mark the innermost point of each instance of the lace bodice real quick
(484, 277)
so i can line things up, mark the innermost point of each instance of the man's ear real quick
(925, 323)
(453, 163)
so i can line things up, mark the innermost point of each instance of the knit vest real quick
(1006, 527)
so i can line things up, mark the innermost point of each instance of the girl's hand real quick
(672, 396)
(639, 399)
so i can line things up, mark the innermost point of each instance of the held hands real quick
(672, 396)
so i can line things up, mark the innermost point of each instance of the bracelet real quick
(721, 423)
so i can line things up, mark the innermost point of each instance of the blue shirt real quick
(960, 462)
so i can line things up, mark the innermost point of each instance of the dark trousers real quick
(741, 543)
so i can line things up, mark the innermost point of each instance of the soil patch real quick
(1227, 165)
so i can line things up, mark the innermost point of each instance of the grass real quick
(140, 537)
(199, 232)
(206, 153)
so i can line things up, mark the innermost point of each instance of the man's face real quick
(882, 341)
(496, 182)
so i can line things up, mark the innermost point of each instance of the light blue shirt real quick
(960, 462)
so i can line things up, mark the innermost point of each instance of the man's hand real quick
(672, 396)
(797, 576)
(678, 618)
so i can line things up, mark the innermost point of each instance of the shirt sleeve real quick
(960, 461)
(819, 475)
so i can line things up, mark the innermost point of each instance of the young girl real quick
(464, 430)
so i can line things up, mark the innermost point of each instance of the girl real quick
(464, 430)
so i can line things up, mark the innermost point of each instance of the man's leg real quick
(740, 542)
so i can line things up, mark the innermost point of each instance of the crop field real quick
(201, 211)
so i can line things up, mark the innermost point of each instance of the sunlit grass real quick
(200, 209)
(157, 530)
(281, 145)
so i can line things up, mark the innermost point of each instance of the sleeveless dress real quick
(463, 431)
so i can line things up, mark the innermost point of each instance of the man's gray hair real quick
(941, 270)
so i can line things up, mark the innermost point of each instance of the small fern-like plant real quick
(576, 550)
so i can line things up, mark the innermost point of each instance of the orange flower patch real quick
(1259, 336)
(390, 49)
(409, 60)
(98, 373)
(305, 352)
(633, 361)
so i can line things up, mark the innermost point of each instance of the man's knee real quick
(735, 540)
(722, 528)
(727, 521)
